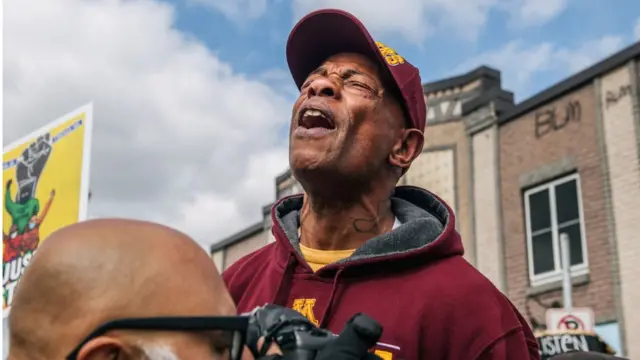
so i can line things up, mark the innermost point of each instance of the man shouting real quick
(356, 242)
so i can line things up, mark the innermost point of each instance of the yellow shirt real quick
(318, 259)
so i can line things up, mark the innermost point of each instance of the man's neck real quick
(344, 226)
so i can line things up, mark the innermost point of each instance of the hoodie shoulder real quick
(471, 299)
(238, 276)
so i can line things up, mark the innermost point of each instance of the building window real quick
(552, 209)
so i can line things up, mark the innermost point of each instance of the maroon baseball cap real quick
(324, 33)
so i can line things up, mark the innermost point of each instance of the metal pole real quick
(566, 272)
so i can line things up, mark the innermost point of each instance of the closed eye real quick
(356, 83)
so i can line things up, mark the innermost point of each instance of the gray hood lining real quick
(422, 215)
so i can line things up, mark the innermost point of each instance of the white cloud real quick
(235, 9)
(516, 60)
(636, 30)
(412, 19)
(527, 13)
(281, 79)
(415, 20)
(180, 137)
(589, 52)
(520, 63)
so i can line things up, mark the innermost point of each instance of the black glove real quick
(359, 335)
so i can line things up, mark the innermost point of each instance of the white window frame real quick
(555, 275)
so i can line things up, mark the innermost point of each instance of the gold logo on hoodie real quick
(305, 307)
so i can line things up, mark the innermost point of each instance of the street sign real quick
(577, 319)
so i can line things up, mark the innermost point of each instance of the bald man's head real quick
(96, 271)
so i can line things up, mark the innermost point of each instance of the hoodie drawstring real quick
(282, 294)
(327, 310)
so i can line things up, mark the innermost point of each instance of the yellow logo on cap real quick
(390, 56)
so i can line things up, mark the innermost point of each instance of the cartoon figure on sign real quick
(25, 212)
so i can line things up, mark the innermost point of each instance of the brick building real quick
(566, 160)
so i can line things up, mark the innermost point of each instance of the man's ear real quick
(105, 348)
(407, 148)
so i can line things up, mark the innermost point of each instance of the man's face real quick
(343, 120)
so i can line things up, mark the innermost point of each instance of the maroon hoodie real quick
(431, 302)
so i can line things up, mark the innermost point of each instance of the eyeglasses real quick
(233, 329)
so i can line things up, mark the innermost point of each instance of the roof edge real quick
(495, 94)
(459, 80)
(237, 237)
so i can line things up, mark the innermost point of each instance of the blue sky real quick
(534, 42)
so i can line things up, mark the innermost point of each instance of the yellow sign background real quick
(65, 172)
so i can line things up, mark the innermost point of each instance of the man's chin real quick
(311, 154)
(300, 163)
(311, 162)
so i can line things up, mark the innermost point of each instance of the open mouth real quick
(314, 118)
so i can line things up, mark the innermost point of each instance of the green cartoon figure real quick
(20, 213)
(29, 168)
(25, 211)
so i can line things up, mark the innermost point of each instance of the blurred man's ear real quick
(106, 348)
(407, 148)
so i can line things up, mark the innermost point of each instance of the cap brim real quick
(322, 34)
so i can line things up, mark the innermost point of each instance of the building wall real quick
(443, 168)
(288, 186)
(532, 152)
(619, 105)
(435, 170)
(218, 259)
(267, 224)
(236, 251)
(486, 206)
